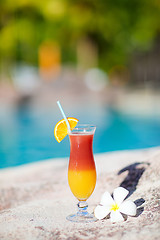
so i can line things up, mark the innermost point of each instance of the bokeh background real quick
(100, 58)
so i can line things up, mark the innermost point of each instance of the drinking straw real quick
(66, 120)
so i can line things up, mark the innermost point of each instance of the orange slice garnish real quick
(60, 129)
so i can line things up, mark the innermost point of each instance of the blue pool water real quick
(26, 135)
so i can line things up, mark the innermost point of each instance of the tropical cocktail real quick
(81, 169)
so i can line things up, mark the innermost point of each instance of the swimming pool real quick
(26, 134)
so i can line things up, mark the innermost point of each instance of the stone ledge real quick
(35, 199)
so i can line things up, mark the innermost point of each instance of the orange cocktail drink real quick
(81, 170)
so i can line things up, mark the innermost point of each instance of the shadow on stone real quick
(135, 172)
(139, 211)
(138, 203)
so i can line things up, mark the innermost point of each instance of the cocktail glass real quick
(82, 170)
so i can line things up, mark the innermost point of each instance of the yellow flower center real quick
(114, 207)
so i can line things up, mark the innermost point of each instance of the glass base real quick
(81, 218)
(82, 215)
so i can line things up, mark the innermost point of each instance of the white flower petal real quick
(116, 216)
(128, 208)
(101, 212)
(120, 194)
(106, 199)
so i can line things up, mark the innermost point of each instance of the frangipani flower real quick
(116, 206)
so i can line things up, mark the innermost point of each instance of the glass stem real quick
(82, 208)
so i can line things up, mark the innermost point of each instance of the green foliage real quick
(117, 27)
